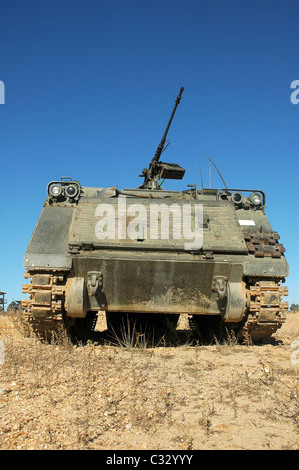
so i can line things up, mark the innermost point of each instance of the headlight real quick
(255, 199)
(237, 198)
(71, 190)
(55, 190)
(63, 189)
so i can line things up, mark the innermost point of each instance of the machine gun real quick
(160, 170)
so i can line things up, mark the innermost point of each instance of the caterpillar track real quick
(45, 308)
(266, 311)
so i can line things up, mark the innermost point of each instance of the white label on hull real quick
(246, 222)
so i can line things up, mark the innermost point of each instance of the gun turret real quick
(157, 169)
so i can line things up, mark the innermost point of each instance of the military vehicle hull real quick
(151, 253)
(77, 270)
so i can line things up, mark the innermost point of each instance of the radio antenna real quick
(201, 177)
(211, 161)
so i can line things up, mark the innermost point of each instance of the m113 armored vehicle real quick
(150, 253)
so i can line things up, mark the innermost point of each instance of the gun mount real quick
(160, 170)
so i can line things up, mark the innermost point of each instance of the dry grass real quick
(228, 396)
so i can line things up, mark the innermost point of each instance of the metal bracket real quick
(94, 281)
(74, 248)
(219, 285)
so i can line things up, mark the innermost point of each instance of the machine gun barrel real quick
(160, 147)
(159, 170)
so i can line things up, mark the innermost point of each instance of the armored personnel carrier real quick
(208, 254)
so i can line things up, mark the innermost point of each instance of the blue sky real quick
(89, 87)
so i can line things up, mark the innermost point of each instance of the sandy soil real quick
(220, 396)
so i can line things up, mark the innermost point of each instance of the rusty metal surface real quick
(267, 311)
(264, 244)
(45, 306)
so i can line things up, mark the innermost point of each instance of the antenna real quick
(211, 161)
(201, 177)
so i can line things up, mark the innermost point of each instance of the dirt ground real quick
(188, 397)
